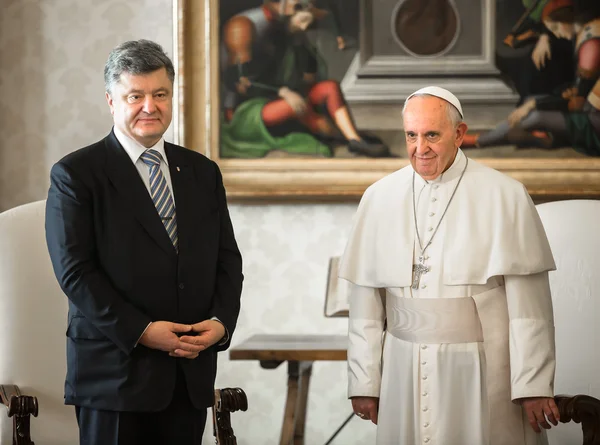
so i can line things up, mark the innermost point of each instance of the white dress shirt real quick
(135, 150)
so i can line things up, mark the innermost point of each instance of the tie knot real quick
(151, 157)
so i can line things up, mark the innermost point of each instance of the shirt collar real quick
(134, 149)
(449, 175)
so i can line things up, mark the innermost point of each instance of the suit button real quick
(181, 286)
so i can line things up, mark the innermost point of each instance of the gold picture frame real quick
(196, 125)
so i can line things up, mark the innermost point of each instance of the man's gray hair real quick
(453, 113)
(136, 57)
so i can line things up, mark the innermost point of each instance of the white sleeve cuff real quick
(138, 340)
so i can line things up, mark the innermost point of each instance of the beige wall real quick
(52, 53)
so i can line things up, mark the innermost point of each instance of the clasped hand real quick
(182, 340)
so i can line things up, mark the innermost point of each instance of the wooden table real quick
(300, 351)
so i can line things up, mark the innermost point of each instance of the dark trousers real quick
(179, 424)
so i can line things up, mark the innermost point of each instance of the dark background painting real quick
(321, 34)
(348, 12)
(508, 12)
(516, 66)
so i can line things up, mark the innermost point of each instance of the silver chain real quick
(423, 249)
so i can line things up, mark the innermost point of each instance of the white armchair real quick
(574, 235)
(33, 318)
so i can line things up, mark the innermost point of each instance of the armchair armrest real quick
(227, 400)
(20, 408)
(581, 409)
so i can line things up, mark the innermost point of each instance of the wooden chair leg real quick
(20, 408)
(581, 409)
(227, 400)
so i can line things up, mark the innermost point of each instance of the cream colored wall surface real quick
(52, 54)
(286, 250)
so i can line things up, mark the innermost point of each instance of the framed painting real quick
(303, 98)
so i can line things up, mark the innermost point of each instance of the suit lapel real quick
(126, 179)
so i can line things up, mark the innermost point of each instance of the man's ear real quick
(461, 130)
(109, 100)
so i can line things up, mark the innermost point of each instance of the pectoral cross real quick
(418, 270)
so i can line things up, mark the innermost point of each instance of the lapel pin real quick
(178, 169)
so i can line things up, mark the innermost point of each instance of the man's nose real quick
(149, 105)
(421, 144)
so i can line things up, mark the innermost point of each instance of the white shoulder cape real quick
(493, 228)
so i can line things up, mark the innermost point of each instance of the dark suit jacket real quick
(115, 262)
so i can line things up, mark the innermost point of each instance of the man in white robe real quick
(451, 332)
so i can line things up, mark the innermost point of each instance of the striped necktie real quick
(161, 195)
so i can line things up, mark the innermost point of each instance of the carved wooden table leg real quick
(294, 419)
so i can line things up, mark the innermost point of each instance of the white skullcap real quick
(442, 94)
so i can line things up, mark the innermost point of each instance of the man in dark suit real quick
(142, 244)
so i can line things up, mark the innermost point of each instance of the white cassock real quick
(476, 335)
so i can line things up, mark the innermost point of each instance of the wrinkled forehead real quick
(153, 80)
(425, 106)
(426, 113)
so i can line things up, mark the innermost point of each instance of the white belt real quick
(435, 320)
